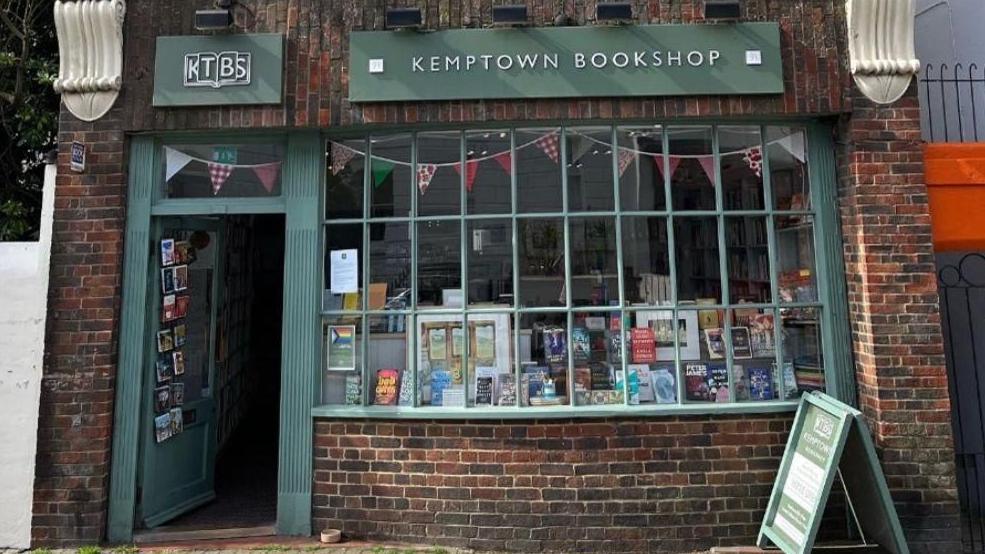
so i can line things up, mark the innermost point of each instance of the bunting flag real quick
(708, 164)
(471, 170)
(340, 157)
(267, 174)
(672, 161)
(794, 144)
(754, 159)
(381, 170)
(626, 157)
(219, 173)
(549, 145)
(505, 160)
(175, 160)
(425, 172)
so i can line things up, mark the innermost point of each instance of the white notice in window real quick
(345, 271)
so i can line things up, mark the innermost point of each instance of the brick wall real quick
(894, 313)
(597, 485)
(77, 389)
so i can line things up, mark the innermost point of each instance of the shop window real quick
(222, 170)
(570, 269)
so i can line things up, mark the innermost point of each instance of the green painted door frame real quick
(302, 188)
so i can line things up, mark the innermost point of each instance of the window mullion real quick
(614, 137)
(563, 143)
(723, 259)
(672, 259)
(516, 269)
(412, 232)
(464, 275)
(774, 258)
(363, 304)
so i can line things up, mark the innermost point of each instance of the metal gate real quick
(961, 280)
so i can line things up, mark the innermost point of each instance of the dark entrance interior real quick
(247, 379)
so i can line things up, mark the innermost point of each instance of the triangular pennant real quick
(425, 172)
(471, 170)
(505, 160)
(548, 144)
(267, 173)
(381, 169)
(219, 173)
(794, 144)
(708, 164)
(672, 161)
(754, 159)
(175, 160)
(580, 146)
(340, 157)
(626, 157)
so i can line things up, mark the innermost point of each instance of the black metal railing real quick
(951, 96)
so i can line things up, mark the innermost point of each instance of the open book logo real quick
(824, 426)
(217, 69)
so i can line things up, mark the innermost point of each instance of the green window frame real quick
(829, 302)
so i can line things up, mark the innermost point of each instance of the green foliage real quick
(28, 112)
(125, 549)
(41, 551)
(89, 550)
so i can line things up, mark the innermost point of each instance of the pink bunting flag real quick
(425, 172)
(471, 170)
(549, 145)
(754, 159)
(673, 162)
(708, 164)
(626, 157)
(267, 173)
(219, 173)
(505, 160)
(340, 157)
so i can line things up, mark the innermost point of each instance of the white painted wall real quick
(23, 301)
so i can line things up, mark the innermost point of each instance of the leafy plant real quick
(89, 550)
(28, 112)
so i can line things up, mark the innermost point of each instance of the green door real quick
(178, 440)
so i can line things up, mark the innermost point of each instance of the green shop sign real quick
(640, 60)
(218, 70)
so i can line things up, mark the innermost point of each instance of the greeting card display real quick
(179, 335)
(162, 399)
(167, 280)
(177, 394)
(162, 427)
(167, 252)
(179, 362)
(164, 340)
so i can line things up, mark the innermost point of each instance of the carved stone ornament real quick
(90, 50)
(880, 42)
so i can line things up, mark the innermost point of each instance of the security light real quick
(614, 12)
(722, 9)
(403, 18)
(509, 16)
(213, 20)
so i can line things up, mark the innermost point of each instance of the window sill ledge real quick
(551, 412)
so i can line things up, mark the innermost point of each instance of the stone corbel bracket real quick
(90, 52)
(880, 43)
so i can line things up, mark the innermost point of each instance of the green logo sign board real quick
(829, 438)
(624, 60)
(218, 70)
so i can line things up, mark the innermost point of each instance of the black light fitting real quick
(614, 12)
(213, 20)
(509, 16)
(722, 9)
(403, 18)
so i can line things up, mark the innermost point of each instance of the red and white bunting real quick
(425, 172)
(267, 173)
(505, 160)
(672, 161)
(340, 157)
(626, 157)
(708, 164)
(175, 161)
(471, 170)
(754, 159)
(219, 173)
(549, 145)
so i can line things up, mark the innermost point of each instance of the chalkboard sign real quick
(829, 438)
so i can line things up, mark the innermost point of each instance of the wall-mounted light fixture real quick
(403, 18)
(722, 9)
(509, 16)
(215, 19)
(614, 12)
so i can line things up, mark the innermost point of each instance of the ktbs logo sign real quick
(217, 69)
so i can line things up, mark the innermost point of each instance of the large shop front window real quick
(581, 266)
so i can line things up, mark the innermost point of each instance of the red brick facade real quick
(668, 484)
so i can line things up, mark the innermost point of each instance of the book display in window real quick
(443, 346)
(169, 367)
(706, 382)
(387, 387)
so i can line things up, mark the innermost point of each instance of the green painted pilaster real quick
(835, 333)
(301, 333)
(127, 419)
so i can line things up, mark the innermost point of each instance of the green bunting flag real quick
(381, 169)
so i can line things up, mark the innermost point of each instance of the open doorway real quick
(242, 382)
